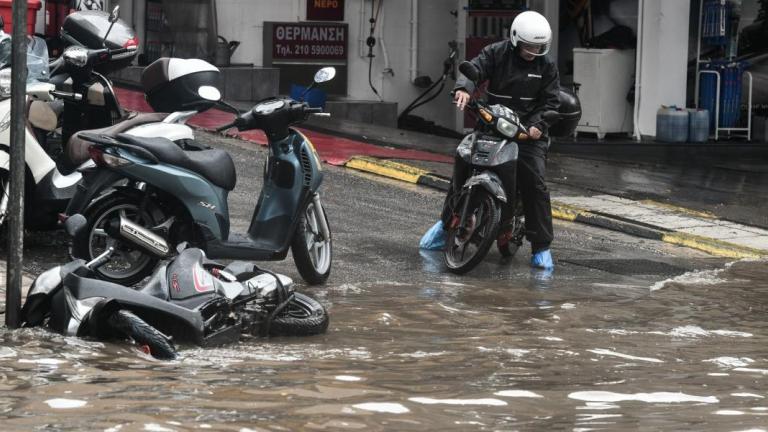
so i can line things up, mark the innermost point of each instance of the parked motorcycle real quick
(89, 102)
(474, 209)
(176, 196)
(189, 300)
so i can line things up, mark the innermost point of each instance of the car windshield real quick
(37, 57)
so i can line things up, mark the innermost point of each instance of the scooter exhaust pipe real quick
(139, 236)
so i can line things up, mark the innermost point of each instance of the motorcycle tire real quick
(129, 325)
(486, 225)
(312, 261)
(303, 316)
(97, 216)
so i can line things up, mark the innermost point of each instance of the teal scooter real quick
(168, 197)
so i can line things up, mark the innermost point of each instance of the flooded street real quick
(537, 352)
(626, 334)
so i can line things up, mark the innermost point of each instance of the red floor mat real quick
(333, 150)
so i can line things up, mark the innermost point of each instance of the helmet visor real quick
(534, 49)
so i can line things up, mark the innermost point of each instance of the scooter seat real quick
(215, 165)
(77, 148)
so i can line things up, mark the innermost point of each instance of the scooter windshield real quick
(37, 60)
(37, 57)
(504, 112)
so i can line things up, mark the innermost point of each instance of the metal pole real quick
(18, 132)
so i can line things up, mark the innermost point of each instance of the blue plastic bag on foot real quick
(434, 238)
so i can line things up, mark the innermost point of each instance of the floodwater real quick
(565, 351)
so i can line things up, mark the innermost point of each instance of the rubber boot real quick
(543, 260)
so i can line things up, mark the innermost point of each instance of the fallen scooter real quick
(188, 299)
(176, 196)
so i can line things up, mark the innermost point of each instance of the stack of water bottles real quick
(678, 125)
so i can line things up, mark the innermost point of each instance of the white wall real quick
(243, 20)
(662, 59)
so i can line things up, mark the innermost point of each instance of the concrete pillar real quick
(662, 60)
(551, 11)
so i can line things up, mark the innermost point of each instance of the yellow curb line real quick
(712, 246)
(386, 168)
(566, 212)
(697, 213)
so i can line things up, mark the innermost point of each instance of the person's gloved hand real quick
(534, 132)
(461, 98)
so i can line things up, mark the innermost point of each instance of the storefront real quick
(392, 60)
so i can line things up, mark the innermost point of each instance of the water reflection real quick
(521, 350)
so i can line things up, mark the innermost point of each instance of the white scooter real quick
(49, 187)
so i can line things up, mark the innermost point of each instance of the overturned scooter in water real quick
(189, 299)
(181, 197)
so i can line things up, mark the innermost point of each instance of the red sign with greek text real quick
(325, 10)
(299, 41)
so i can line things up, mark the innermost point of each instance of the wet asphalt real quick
(625, 334)
(377, 223)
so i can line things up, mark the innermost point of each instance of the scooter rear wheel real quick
(129, 325)
(303, 316)
(466, 246)
(129, 265)
(312, 251)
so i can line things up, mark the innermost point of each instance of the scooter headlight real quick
(507, 128)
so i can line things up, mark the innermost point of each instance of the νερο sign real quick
(325, 10)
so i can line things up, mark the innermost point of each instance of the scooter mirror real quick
(76, 56)
(115, 14)
(470, 71)
(325, 74)
(75, 224)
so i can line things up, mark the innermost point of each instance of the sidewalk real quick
(426, 160)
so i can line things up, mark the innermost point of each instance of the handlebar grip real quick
(77, 97)
(311, 110)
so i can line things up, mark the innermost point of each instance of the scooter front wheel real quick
(312, 244)
(129, 325)
(467, 245)
(303, 316)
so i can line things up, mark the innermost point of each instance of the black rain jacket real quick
(533, 85)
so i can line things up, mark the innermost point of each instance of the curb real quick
(398, 171)
(410, 174)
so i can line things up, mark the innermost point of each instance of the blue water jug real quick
(698, 125)
(672, 124)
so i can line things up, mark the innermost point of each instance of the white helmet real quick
(531, 32)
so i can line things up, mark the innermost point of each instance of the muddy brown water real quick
(541, 352)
